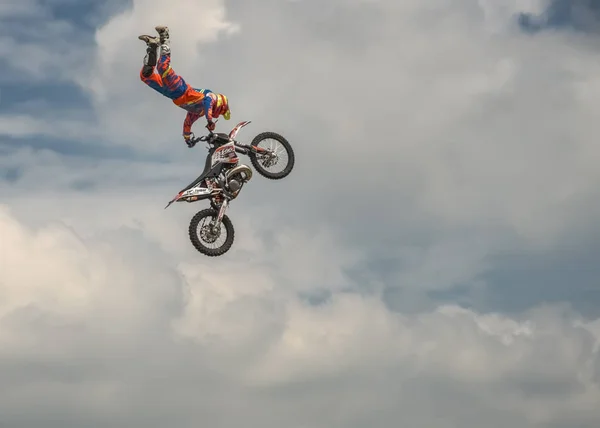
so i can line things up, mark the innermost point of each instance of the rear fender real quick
(196, 193)
(192, 195)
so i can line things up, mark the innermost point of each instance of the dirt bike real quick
(222, 180)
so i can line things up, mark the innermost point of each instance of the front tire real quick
(258, 160)
(204, 235)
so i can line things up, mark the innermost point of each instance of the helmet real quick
(223, 106)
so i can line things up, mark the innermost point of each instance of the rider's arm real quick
(208, 108)
(190, 118)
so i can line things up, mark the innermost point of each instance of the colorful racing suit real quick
(197, 102)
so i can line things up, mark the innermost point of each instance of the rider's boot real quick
(165, 42)
(150, 59)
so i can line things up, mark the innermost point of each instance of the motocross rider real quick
(158, 74)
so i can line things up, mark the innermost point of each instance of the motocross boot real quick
(165, 42)
(150, 59)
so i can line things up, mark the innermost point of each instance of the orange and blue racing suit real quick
(197, 102)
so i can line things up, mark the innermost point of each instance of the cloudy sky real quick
(431, 262)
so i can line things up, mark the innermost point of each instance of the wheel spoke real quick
(276, 149)
(203, 238)
(276, 158)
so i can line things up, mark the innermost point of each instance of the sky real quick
(432, 260)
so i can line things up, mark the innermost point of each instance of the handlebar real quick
(207, 138)
(203, 138)
(211, 135)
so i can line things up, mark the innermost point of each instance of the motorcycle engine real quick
(234, 185)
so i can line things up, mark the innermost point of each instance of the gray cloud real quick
(467, 126)
(443, 158)
(115, 334)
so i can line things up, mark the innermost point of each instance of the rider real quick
(197, 102)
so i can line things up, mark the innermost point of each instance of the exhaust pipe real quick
(240, 169)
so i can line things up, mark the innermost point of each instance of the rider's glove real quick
(210, 126)
(189, 139)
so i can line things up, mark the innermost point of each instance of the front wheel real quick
(205, 235)
(278, 151)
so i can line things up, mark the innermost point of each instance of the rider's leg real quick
(147, 73)
(175, 83)
(151, 57)
(156, 71)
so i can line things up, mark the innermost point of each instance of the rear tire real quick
(195, 235)
(256, 161)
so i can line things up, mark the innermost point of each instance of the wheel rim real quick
(276, 152)
(208, 236)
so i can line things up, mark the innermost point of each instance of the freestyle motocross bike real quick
(222, 180)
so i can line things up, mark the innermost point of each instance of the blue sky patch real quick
(575, 15)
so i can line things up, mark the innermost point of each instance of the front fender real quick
(237, 128)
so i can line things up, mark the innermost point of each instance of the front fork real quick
(217, 223)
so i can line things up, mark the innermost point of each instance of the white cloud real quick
(467, 125)
(116, 299)
(64, 129)
(463, 129)
(479, 122)
(122, 101)
(446, 139)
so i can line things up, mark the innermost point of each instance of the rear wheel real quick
(273, 150)
(206, 237)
